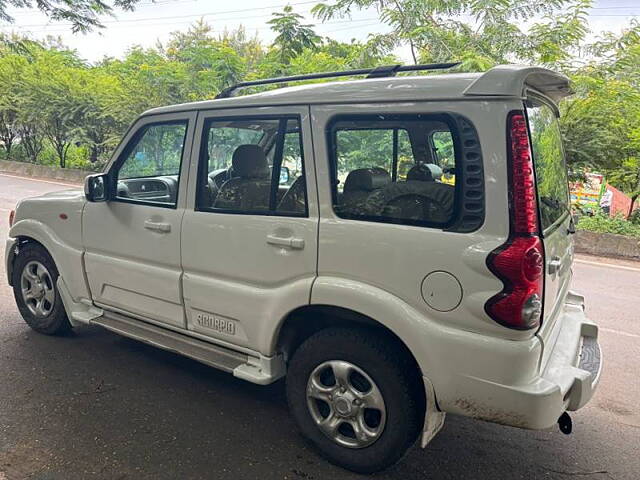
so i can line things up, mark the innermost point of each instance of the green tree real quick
(480, 33)
(293, 36)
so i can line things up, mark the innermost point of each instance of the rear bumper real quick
(567, 381)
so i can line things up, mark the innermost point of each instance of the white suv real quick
(398, 247)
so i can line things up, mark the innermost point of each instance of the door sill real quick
(261, 370)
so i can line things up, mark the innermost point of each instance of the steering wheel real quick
(215, 182)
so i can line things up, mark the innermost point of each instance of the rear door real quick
(553, 201)
(249, 241)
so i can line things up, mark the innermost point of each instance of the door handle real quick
(157, 226)
(554, 265)
(290, 242)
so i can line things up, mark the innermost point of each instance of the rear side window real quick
(549, 163)
(386, 169)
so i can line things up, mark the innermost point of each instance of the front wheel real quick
(357, 397)
(36, 292)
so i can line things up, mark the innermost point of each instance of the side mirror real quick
(96, 187)
(284, 175)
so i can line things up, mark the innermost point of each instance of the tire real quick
(35, 271)
(388, 371)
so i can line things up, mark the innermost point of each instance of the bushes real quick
(604, 224)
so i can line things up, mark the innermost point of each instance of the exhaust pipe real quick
(565, 424)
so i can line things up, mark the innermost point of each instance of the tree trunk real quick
(93, 156)
(635, 196)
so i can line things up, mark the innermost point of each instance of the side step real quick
(207, 353)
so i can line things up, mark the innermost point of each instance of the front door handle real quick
(554, 265)
(290, 242)
(157, 226)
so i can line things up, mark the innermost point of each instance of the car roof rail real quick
(376, 72)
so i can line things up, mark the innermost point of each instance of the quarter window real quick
(387, 169)
(252, 166)
(150, 171)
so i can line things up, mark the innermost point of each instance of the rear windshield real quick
(549, 164)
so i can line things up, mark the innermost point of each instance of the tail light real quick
(519, 263)
(12, 216)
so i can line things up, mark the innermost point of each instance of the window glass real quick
(150, 171)
(405, 155)
(385, 170)
(445, 158)
(252, 166)
(549, 163)
(363, 149)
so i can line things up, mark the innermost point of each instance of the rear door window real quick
(549, 163)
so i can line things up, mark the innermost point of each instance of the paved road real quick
(98, 406)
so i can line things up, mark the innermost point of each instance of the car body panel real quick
(129, 266)
(238, 287)
(386, 262)
(55, 221)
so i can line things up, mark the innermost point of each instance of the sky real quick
(151, 22)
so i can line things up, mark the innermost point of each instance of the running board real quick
(261, 370)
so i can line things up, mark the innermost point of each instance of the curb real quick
(45, 172)
(607, 245)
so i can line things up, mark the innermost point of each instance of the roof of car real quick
(501, 81)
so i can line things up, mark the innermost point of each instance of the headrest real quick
(366, 179)
(249, 161)
(425, 172)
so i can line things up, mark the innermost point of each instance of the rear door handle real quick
(290, 242)
(157, 226)
(554, 265)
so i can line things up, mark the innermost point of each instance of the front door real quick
(249, 244)
(133, 241)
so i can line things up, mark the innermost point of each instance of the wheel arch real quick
(67, 258)
(20, 241)
(302, 322)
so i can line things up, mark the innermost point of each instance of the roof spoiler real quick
(512, 81)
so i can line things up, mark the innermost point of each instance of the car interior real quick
(245, 183)
(399, 181)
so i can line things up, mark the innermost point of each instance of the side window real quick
(386, 169)
(150, 171)
(252, 166)
(549, 163)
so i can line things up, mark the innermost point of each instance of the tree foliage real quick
(479, 33)
(56, 108)
(84, 15)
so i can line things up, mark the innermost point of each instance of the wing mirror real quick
(96, 187)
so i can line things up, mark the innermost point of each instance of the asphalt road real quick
(98, 406)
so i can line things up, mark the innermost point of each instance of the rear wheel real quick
(36, 292)
(353, 394)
